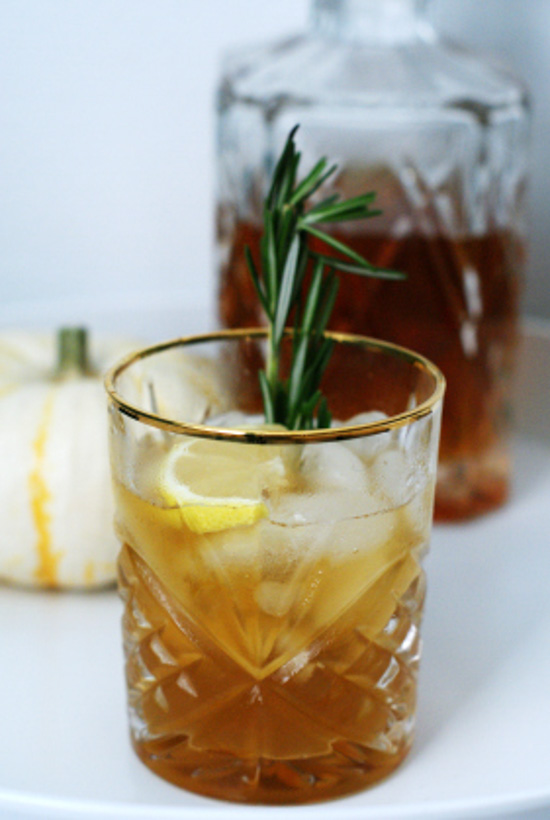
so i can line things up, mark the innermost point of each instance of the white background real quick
(107, 136)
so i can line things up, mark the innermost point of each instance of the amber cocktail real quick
(272, 580)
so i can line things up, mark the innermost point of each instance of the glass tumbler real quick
(272, 580)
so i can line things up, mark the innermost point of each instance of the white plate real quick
(482, 747)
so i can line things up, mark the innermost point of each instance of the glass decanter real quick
(441, 135)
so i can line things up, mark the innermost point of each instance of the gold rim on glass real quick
(274, 436)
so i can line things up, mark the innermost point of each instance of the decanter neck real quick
(381, 22)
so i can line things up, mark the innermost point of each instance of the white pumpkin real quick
(56, 509)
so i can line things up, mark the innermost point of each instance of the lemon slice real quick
(219, 485)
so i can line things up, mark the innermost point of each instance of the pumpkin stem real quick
(72, 351)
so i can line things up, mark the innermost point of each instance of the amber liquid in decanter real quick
(458, 307)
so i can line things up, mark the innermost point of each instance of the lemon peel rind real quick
(210, 518)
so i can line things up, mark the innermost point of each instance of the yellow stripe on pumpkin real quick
(40, 497)
(89, 573)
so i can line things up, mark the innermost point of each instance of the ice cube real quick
(235, 420)
(390, 475)
(370, 532)
(365, 418)
(367, 447)
(274, 598)
(331, 465)
(237, 547)
(289, 539)
(280, 551)
(323, 507)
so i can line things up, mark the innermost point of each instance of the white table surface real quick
(482, 747)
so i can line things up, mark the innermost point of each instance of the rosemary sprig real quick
(285, 256)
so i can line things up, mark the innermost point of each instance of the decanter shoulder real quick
(309, 70)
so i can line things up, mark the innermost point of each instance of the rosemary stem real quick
(272, 363)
